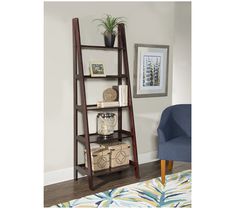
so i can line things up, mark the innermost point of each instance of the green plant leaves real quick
(110, 23)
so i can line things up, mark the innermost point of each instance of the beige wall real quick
(181, 90)
(148, 23)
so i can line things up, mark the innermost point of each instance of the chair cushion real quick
(178, 149)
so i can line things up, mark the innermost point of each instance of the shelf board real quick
(101, 47)
(108, 77)
(94, 137)
(83, 170)
(93, 107)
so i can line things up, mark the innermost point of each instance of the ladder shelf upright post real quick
(130, 105)
(80, 72)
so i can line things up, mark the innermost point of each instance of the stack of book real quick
(122, 93)
(102, 104)
(122, 98)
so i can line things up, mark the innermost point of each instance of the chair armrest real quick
(164, 128)
(161, 136)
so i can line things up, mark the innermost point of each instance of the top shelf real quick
(101, 47)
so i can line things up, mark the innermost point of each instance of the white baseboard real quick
(147, 157)
(66, 174)
(57, 176)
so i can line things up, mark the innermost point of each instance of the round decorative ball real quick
(109, 95)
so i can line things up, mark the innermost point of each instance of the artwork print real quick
(97, 69)
(151, 73)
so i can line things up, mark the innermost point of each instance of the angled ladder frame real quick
(79, 77)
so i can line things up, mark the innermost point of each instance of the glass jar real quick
(106, 123)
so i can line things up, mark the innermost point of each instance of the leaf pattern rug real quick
(151, 193)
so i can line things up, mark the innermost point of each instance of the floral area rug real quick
(151, 193)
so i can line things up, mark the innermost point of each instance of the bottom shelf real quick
(83, 170)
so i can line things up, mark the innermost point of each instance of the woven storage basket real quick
(119, 154)
(100, 159)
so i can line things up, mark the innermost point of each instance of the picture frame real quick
(97, 69)
(151, 70)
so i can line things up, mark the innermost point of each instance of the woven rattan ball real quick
(109, 95)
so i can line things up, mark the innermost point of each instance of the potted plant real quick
(110, 24)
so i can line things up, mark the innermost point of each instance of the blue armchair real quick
(174, 136)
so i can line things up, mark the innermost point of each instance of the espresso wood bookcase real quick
(79, 79)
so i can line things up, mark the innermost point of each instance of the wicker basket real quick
(100, 159)
(119, 154)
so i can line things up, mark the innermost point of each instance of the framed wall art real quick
(151, 70)
(97, 69)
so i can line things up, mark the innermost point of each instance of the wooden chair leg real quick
(170, 165)
(163, 170)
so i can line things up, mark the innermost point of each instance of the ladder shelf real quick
(79, 78)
